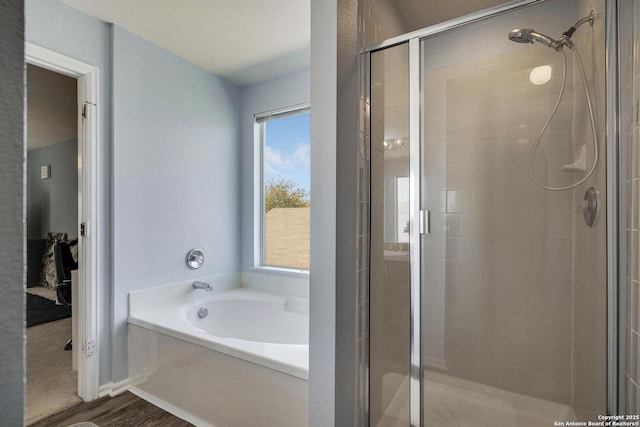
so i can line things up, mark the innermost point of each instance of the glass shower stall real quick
(488, 295)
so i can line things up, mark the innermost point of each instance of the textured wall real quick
(322, 283)
(51, 24)
(12, 232)
(589, 334)
(347, 251)
(282, 92)
(175, 166)
(334, 174)
(52, 203)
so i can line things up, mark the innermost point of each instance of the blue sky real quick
(287, 149)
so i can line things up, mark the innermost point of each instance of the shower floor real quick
(452, 402)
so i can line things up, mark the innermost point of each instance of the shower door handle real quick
(425, 221)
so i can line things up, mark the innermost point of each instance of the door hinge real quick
(89, 348)
(425, 222)
(83, 229)
(85, 109)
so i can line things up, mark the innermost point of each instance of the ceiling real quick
(249, 41)
(417, 14)
(244, 42)
(51, 108)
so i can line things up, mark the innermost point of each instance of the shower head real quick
(521, 35)
(528, 35)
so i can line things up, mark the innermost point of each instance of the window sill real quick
(279, 271)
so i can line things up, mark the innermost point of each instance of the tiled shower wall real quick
(589, 339)
(632, 124)
(498, 276)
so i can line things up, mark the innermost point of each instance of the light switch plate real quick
(45, 172)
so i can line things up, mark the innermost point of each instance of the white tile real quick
(436, 201)
(435, 178)
(451, 225)
(563, 120)
(474, 225)
(475, 177)
(487, 200)
(489, 101)
(499, 125)
(560, 226)
(459, 201)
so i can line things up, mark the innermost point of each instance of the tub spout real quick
(201, 285)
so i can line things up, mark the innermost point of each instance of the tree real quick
(284, 194)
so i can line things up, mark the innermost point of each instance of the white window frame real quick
(258, 193)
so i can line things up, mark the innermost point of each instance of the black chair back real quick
(64, 262)
(57, 260)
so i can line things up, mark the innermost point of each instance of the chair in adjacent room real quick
(64, 263)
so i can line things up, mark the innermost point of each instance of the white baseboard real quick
(130, 383)
(172, 409)
(114, 389)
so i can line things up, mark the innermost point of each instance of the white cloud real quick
(303, 153)
(276, 161)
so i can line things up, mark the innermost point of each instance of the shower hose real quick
(553, 112)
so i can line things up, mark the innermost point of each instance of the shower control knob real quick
(590, 206)
(194, 259)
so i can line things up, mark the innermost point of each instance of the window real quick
(285, 200)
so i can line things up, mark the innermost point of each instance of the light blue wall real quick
(175, 166)
(52, 203)
(292, 89)
(12, 233)
(167, 160)
(60, 28)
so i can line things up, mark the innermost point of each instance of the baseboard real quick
(172, 409)
(114, 389)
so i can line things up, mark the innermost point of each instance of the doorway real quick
(52, 222)
(84, 300)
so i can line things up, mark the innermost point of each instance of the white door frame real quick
(87, 304)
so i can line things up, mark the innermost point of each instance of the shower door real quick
(488, 293)
(389, 295)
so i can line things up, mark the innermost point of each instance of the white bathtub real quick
(244, 363)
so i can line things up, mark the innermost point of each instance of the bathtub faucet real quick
(201, 285)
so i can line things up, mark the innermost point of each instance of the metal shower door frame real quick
(415, 247)
(615, 220)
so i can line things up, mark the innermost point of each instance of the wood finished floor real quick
(123, 410)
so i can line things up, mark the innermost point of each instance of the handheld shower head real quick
(528, 35)
(521, 35)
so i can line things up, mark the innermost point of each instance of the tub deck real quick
(292, 359)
